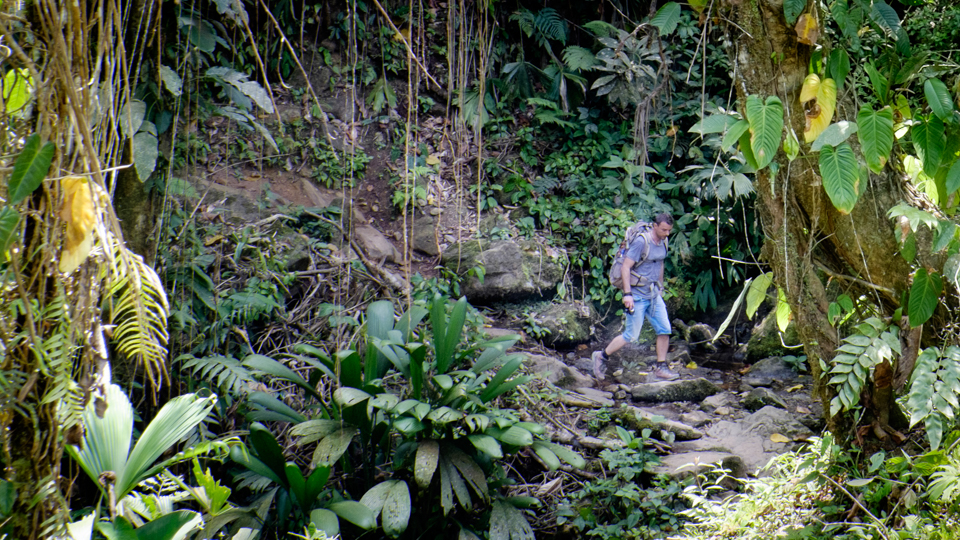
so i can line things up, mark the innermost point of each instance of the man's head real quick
(662, 225)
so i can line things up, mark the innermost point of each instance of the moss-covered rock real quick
(512, 270)
(570, 324)
(765, 341)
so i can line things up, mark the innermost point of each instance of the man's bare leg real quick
(663, 344)
(617, 343)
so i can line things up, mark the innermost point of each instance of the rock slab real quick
(669, 391)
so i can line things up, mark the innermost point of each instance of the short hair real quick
(663, 217)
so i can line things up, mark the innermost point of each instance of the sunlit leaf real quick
(939, 99)
(791, 146)
(171, 80)
(766, 125)
(79, 214)
(834, 135)
(145, 153)
(17, 89)
(757, 292)
(784, 313)
(9, 219)
(820, 114)
(734, 134)
(876, 136)
(811, 85)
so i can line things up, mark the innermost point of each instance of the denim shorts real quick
(654, 310)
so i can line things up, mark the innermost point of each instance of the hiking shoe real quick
(664, 374)
(597, 364)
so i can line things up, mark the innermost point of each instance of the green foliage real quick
(876, 136)
(628, 504)
(29, 169)
(934, 391)
(873, 343)
(766, 126)
(924, 296)
(841, 176)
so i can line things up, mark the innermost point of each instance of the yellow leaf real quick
(795, 388)
(820, 114)
(692, 365)
(808, 31)
(778, 438)
(79, 214)
(810, 86)
(432, 159)
(212, 240)
(802, 410)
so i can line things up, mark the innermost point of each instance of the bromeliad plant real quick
(419, 400)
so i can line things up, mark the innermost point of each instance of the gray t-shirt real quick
(650, 268)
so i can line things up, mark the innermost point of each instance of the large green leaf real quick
(929, 140)
(758, 292)
(939, 99)
(326, 521)
(486, 444)
(173, 526)
(792, 10)
(508, 523)
(447, 332)
(9, 219)
(766, 125)
(569, 456)
(29, 169)
(269, 366)
(734, 134)
(667, 18)
(380, 321)
(355, 513)
(952, 183)
(840, 173)
(715, 123)
(876, 136)
(131, 117)
(838, 66)
(395, 516)
(425, 463)
(834, 135)
(107, 440)
(887, 18)
(881, 85)
(145, 154)
(784, 313)
(924, 296)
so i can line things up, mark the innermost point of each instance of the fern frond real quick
(139, 311)
(526, 20)
(601, 28)
(224, 372)
(579, 58)
(550, 25)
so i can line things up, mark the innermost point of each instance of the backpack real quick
(641, 227)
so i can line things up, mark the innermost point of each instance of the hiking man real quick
(642, 296)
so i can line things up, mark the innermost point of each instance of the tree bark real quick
(804, 233)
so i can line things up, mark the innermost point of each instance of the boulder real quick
(768, 371)
(759, 398)
(695, 418)
(513, 270)
(765, 340)
(425, 237)
(376, 245)
(686, 464)
(668, 391)
(570, 324)
(556, 372)
(638, 419)
(716, 401)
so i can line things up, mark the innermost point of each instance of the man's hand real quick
(628, 302)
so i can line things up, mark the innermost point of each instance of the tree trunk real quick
(807, 239)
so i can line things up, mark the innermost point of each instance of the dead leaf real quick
(432, 159)
(692, 365)
(795, 388)
(778, 438)
(808, 31)
(78, 213)
(802, 410)
(550, 487)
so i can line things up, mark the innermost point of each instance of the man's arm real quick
(625, 274)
